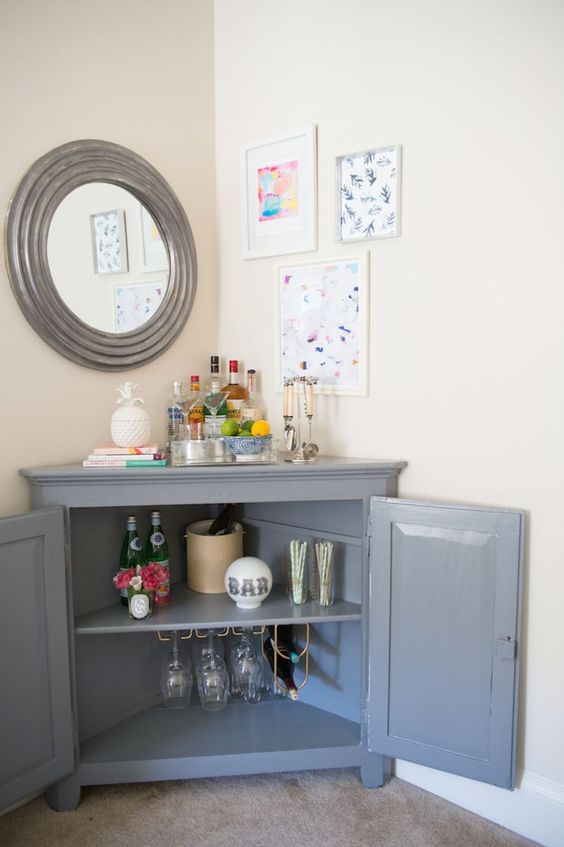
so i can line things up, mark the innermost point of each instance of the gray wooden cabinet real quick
(417, 658)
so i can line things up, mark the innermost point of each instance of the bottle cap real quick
(251, 371)
(155, 514)
(233, 366)
(194, 378)
(214, 364)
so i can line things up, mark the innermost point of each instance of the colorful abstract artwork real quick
(323, 324)
(279, 194)
(278, 191)
(368, 194)
(136, 303)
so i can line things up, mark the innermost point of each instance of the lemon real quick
(229, 427)
(260, 428)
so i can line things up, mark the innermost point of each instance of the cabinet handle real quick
(506, 648)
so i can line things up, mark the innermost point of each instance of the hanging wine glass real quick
(246, 670)
(176, 677)
(213, 683)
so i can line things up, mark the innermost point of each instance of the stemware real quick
(176, 677)
(246, 670)
(213, 683)
(214, 401)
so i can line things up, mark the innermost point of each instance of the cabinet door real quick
(36, 728)
(443, 639)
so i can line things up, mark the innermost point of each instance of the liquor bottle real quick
(285, 642)
(222, 524)
(284, 670)
(131, 552)
(176, 415)
(251, 407)
(156, 550)
(237, 393)
(214, 384)
(196, 415)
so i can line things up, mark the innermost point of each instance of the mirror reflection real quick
(107, 258)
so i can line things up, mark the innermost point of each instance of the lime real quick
(246, 427)
(229, 427)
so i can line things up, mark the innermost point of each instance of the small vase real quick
(140, 603)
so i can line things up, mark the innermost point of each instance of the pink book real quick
(112, 450)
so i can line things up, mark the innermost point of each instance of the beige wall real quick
(139, 74)
(467, 346)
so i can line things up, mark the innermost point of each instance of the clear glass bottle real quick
(251, 408)
(237, 393)
(131, 552)
(176, 415)
(196, 413)
(156, 550)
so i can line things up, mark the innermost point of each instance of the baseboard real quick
(535, 809)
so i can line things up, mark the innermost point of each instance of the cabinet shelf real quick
(190, 609)
(242, 738)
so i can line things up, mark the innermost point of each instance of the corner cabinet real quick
(417, 659)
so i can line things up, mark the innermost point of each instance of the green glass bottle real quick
(131, 552)
(156, 550)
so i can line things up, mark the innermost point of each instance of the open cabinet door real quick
(36, 726)
(444, 636)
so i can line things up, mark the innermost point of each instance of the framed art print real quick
(109, 242)
(155, 256)
(278, 186)
(135, 303)
(368, 194)
(324, 323)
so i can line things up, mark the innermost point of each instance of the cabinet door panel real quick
(444, 601)
(35, 700)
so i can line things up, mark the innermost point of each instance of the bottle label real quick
(234, 409)
(156, 539)
(162, 592)
(136, 544)
(175, 413)
(250, 413)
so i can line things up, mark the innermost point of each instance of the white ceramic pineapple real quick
(131, 426)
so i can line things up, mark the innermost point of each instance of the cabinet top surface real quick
(325, 466)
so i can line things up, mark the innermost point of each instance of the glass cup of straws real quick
(298, 572)
(325, 573)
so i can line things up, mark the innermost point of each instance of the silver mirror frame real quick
(31, 210)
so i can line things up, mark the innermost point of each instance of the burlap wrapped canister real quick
(209, 556)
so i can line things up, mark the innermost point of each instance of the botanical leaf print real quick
(368, 194)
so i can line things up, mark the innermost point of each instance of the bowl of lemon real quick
(249, 441)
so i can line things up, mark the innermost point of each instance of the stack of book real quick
(110, 456)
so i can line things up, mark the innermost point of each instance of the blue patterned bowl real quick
(247, 445)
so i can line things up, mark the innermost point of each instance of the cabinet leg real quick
(64, 796)
(375, 770)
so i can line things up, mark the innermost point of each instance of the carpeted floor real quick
(313, 809)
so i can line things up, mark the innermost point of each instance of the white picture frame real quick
(136, 302)
(323, 323)
(368, 191)
(279, 194)
(109, 242)
(155, 255)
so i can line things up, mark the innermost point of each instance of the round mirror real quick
(100, 255)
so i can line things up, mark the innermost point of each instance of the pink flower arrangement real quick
(146, 578)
